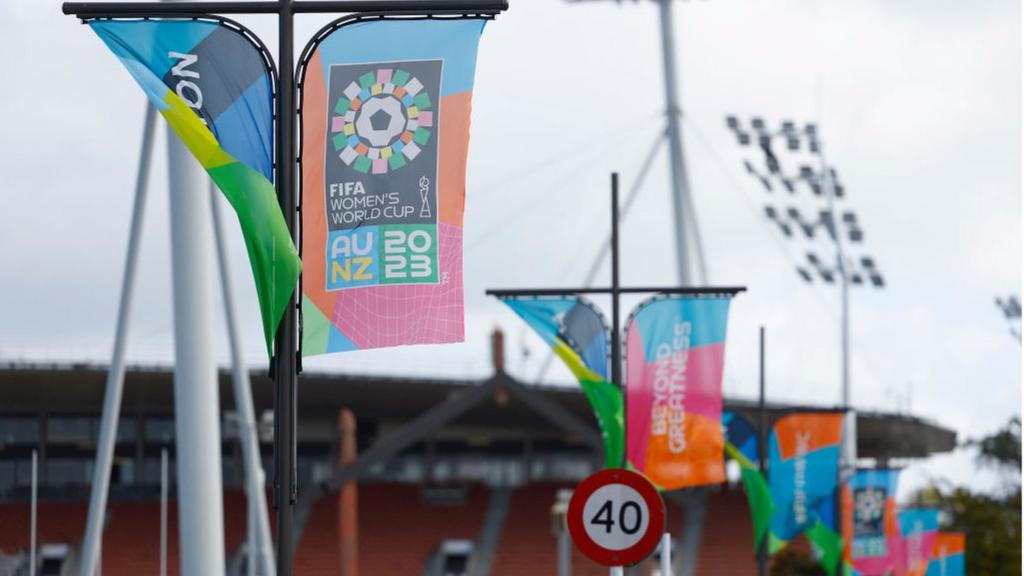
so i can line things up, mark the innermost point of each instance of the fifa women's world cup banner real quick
(212, 82)
(948, 555)
(803, 466)
(871, 526)
(385, 108)
(578, 334)
(675, 353)
(919, 528)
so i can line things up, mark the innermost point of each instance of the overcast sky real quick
(919, 103)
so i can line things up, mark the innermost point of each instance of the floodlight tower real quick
(823, 183)
(1011, 309)
(682, 204)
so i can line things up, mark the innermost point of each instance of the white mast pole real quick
(163, 512)
(260, 546)
(35, 503)
(115, 377)
(196, 402)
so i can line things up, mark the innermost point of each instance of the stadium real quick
(309, 371)
(453, 477)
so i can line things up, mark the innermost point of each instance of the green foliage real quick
(1001, 449)
(791, 562)
(992, 522)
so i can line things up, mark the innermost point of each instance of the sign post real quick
(616, 517)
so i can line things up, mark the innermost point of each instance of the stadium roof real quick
(385, 403)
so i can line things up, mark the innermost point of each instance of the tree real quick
(792, 562)
(992, 522)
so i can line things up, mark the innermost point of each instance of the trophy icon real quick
(424, 197)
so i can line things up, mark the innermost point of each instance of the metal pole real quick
(762, 449)
(564, 553)
(258, 520)
(115, 377)
(285, 369)
(35, 503)
(848, 456)
(680, 182)
(163, 512)
(666, 554)
(616, 571)
(616, 344)
(196, 402)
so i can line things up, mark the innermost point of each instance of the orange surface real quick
(700, 463)
(820, 429)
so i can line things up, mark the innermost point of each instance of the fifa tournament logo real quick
(868, 518)
(380, 175)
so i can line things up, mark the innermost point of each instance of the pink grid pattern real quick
(382, 316)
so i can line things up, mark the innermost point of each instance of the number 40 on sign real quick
(616, 517)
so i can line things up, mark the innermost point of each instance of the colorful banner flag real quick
(385, 108)
(871, 528)
(948, 555)
(740, 432)
(803, 465)
(675, 352)
(759, 495)
(213, 84)
(919, 528)
(577, 333)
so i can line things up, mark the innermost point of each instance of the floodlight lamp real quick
(849, 217)
(816, 188)
(867, 262)
(789, 185)
(839, 190)
(765, 141)
(812, 146)
(806, 171)
(813, 258)
(749, 166)
(766, 183)
(793, 212)
(786, 230)
(743, 138)
(805, 275)
(856, 235)
(788, 126)
(856, 279)
(758, 123)
(877, 281)
(770, 212)
(793, 144)
(732, 122)
(811, 129)
(827, 276)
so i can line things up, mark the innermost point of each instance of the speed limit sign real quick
(616, 517)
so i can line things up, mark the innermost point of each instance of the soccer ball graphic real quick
(382, 121)
(870, 505)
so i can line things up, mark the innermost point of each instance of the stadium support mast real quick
(196, 402)
(682, 205)
(677, 161)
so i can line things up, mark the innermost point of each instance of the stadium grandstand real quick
(452, 476)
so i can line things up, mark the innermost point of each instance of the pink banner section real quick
(674, 411)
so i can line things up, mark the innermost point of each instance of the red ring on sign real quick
(655, 526)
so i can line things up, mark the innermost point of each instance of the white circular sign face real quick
(616, 517)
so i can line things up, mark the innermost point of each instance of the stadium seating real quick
(398, 531)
